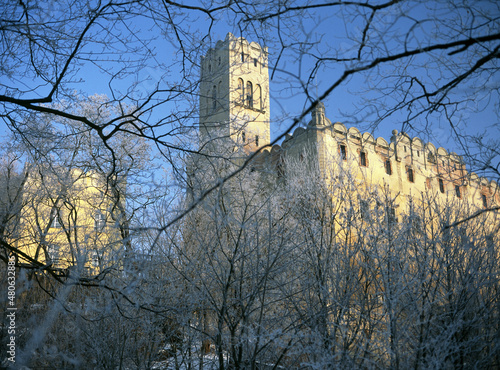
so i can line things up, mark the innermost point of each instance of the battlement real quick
(406, 165)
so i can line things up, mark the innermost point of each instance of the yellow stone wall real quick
(68, 220)
(323, 140)
(227, 123)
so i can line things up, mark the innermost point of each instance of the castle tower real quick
(234, 96)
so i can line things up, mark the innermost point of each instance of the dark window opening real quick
(432, 158)
(255, 62)
(411, 176)
(249, 92)
(441, 185)
(242, 57)
(343, 152)
(457, 191)
(362, 159)
(243, 137)
(485, 200)
(256, 140)
(388, 167)
(214, 98)
(391, 215)
(241, 87)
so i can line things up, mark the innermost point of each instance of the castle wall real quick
(405, 166)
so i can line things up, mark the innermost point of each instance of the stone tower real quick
(234, 96)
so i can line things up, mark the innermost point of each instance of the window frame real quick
(388, 167)
(343, 151)
(363, 160)
(99, 221)
(55, 221)
(410, 174)
(249, 94)
(241, 87)
(484, 199)
(441, 185)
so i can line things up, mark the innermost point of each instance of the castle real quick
(235, 121)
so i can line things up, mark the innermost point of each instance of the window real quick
(343, 152)
(219, 60)
(99, 221)
(431, 158)
(54, 253)
(441, 185)
(249, 92)
(255, 62)
(56, 219)
(243, 137)
(258, 97)
(404, 146)
(428, 182)
(256, 140)
(214, 98)
(95, 259)
(457, 191)
(410, 174)
(362, 159)
(418, 153)
(388, 167)
(485, 200)
(241, 89)
(242, 57)
(391, 215)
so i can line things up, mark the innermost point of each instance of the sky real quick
(327, 32)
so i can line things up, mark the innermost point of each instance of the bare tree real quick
(285, 277)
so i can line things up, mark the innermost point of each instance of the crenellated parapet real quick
(406, 165)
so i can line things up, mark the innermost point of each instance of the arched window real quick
(256, 140)
(241, 90)
(258, 97)
(243, 137)
(441, 185)
(249, 92)
(214, 98)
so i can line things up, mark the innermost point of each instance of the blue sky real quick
(327, 33)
